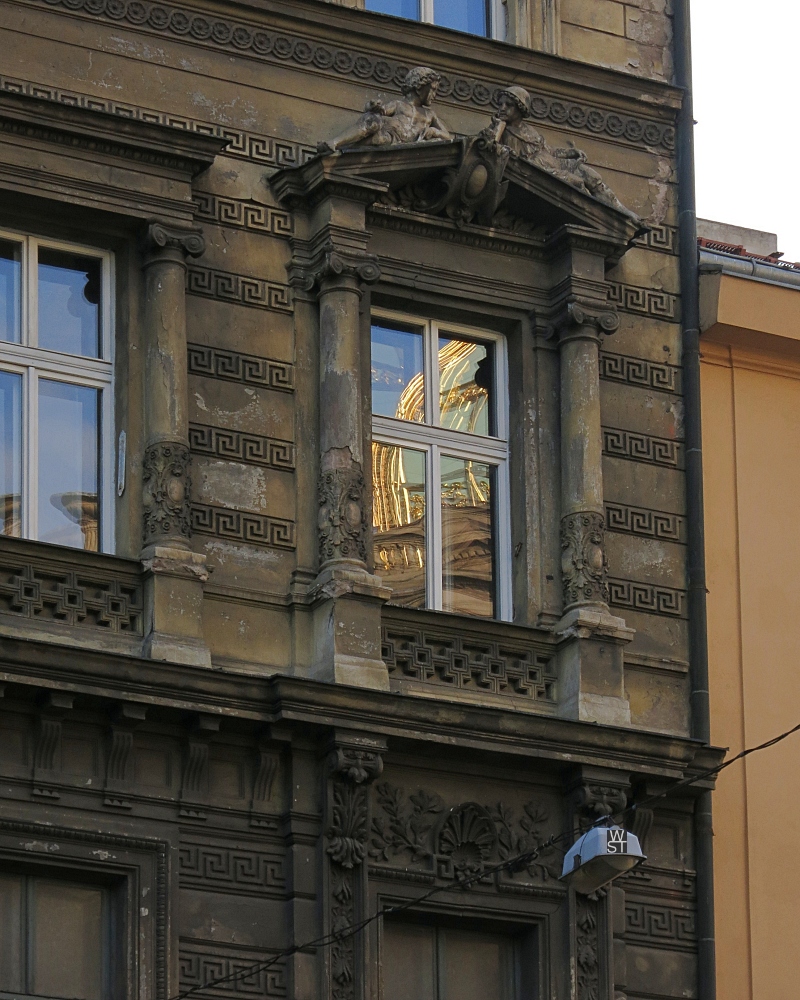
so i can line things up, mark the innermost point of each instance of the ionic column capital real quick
(165, 242)
(334, 267)
(579, 321)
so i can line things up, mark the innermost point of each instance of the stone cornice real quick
(257, 38)
(408, 721)
(106, 135)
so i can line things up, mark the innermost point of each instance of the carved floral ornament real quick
(584, 568)
(166, 483)
(476, 187)
(342, 521)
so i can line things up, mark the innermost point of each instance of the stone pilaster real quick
(174, 574)
(354, 762)
(347, 597)
(591, 674)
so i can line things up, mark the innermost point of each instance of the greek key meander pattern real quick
(642, 448)
(647, 597)
(48, 593)
(251, 215)
(662, 238)
(469, 663)
(243, 526)
(237, 36)
(645, 522)
(660, 925)
(237, 870)
(239, 288)
(209, 962)
(643, 301)
(269, 150)
(638, 372)
(237, 446)
(233, 366)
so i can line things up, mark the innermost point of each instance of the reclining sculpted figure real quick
(410, 119)
(511, 128)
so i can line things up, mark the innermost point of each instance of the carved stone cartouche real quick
(584, 567)
(166, 489)
(342, 518)
(411, 119)
(511, 129)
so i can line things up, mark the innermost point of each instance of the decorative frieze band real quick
(660, 926)
(663, 239)
(216, 362)
(199, 27)
(238, 446)
(243, 526)
(648, 597)
(236, 870)
(638, 372)
(642, 448)
(645, 522)
(269, 150)
(239, 972)
(643, 301)
(243, 289)
(250, 215)
(84, 599)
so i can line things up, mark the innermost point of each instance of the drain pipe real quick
(690, 321)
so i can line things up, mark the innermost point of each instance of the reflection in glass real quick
(398, 517)
(69, 429)
(10, 454)
(463, 15)
(466, 385)
(400, 8)
(69, 303)
(10, 272)
(398, 388)
(467, 537)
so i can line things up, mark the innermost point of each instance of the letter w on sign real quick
(617, 841)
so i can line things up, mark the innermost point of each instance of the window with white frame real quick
(56, 392)
(440, 465)
(477, 17)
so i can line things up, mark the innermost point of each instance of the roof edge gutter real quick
(698, 641)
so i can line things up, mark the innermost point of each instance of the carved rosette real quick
(167, 486)
(342, 518)
(584, 567)
(352, 770)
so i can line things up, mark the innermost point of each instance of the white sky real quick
(746, 57)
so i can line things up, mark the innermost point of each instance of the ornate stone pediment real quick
(469, 179)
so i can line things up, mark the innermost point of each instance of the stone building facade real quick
(345, 521)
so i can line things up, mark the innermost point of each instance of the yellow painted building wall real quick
(751, 446)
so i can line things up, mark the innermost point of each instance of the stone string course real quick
(238, 36)
(235, 366)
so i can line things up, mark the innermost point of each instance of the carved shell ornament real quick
(468, 837)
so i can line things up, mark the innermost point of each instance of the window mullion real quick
(435, 534)
(31, 453)
(426, 11)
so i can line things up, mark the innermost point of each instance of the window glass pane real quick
(69, 427)
(467, 537)
(10, 453)
(463, 15)
(66, 940)
(409, 962)
(10, 278)
(11, 965)
(400, 8)
(398, 388)
(475, 965)
(466, 385)
(69, 302)
(398, 516)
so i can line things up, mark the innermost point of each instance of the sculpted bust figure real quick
(511, 128)
(411, 119)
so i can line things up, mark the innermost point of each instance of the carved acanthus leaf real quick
(342, 519)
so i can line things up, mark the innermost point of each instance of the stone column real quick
(347, 597)
(174, 574)
(591, 657)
